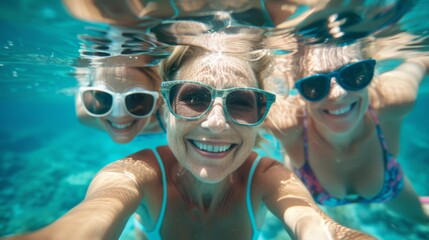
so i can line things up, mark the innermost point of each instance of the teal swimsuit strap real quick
(164, 192)
(256, 231)
(156, 234)
(268, 20)
(160, 121)
(175, 9)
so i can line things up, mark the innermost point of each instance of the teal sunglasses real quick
(193, 100)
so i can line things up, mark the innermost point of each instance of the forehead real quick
(219, 71)
(123, 78)
(326, 59)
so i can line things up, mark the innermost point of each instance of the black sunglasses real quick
(351, 77)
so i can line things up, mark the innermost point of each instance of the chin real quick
(121, 140)
(210, 180)
(209, 176)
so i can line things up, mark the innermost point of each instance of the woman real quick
(207, 183)
(343, 142)
(123, 101)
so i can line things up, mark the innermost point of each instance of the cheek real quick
(172, 130)
(312, 107)
(103, 122)
(143, 122)
(176, 130)
(249, 137)
(364, 94)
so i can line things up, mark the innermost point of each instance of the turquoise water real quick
(48, 158)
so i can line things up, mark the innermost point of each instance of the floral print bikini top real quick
(393, 177)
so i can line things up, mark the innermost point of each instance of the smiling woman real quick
(344, 140)
(123, 101)
(207, 183)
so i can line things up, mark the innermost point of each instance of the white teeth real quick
(340, 110)
(212, 148)
(121, 126)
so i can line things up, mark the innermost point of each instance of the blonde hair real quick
(227, 48)
(241, 47)
(318, 58)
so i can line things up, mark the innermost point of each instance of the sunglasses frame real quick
(223, 93)
(339, 80)
(122, 97)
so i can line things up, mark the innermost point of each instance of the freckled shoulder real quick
(142, 165)
(268, 165)
(270, 174)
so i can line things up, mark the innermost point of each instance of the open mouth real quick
(340, 111)
(210, 148)
(123, 126)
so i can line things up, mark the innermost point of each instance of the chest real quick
(359, 170)
(186, 219)
(190, 222)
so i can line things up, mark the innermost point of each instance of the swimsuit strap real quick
(164, 193)
(255, 229)
(155, 234)
(268, 20)
(378, 128)
(175, 8)
(305, 137)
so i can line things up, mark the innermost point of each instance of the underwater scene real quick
(49, 157)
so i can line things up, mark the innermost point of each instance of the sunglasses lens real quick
(246, 106)
(357, 76)
(139, 104)
(189, 100)
(97, 102)
(314, 88)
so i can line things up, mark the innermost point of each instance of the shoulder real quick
(269, 169)
(142, 166)
(272, 180)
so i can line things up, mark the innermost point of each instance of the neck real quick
(341, 141)
(207, 196)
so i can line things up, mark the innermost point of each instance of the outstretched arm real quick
(284, 118)
(290, 201)
(111, 199)
(396, 91)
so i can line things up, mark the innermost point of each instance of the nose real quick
(118, 108)
(216, 119)
(336, 90)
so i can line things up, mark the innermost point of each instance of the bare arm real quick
(111, 199)
(284, 118)
(290, 201)
(395, 92)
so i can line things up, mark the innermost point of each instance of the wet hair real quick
(221, 51)
(320, 58)
(89, 76)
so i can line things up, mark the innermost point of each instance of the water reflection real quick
(113, 45)
(140, 33)
(144, 27)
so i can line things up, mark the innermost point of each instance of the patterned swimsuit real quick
(393, 177)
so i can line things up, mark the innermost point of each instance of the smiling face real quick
(341, 110)
(212, 147)
(121, 126)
